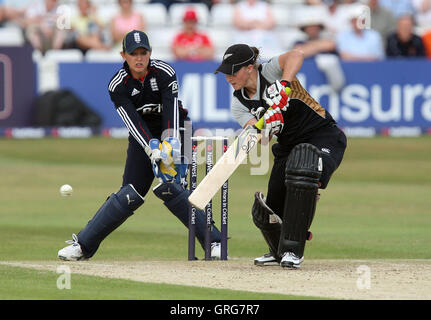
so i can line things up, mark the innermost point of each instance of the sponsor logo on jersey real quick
(174, 86)
(151, 108)
(135, 92)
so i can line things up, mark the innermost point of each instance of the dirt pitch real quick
(335, 279)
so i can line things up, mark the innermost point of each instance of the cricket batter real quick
(145, 94)
(309, 146)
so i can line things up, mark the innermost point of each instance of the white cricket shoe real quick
(265, 259)
(72, 252)
(290, 260)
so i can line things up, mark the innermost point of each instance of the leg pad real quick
(303, 170)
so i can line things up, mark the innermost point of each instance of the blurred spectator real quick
(13, 15)
(41, 26)
(382, 20)
(127, 19)
(398, 7)
(426, 39)
(87, 29)
(254, 23)
(403, 42)
(253, 14)
(337, 16)
(222, 1)
(168, 3)
(191, 44)
(313, 2)
(423, 12)
(359, 43)
(317, 41)
(2, 13)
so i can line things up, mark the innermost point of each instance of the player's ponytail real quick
(256, 56)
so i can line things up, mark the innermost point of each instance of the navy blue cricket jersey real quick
(149, 107)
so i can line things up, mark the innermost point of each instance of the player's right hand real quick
(274, 121)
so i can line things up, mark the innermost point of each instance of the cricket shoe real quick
(267, 258)
(291, 260)
(216, 251)
(72, 252)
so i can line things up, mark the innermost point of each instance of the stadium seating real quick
(176, 13)
(107, 11)
(103, 56)
(155, 15)
(161, 40)
(221, 16)
(162, 24)
(64, 55)
(11, 36)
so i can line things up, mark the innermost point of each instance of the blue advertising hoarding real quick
(393, 93)
(17, 86)
(388, 97)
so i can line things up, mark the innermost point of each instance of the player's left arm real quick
(290, 64)
(276, 95)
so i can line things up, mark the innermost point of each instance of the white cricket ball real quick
(66, 190)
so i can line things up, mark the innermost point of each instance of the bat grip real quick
(261, 122)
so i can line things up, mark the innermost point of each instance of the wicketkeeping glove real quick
(275, 95)
(182, 169)
(171, 147)
(166, 159)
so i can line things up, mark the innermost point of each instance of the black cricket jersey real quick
(149, 107)
(303, 117)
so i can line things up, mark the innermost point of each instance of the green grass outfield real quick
(377, 206)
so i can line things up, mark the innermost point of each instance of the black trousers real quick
(331, 141)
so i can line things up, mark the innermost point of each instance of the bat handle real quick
(261, 122)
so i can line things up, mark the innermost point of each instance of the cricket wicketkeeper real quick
(145, 94)
(309, 146)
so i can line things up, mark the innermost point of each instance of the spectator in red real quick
(190, 43)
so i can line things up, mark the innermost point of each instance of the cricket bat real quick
(227, 164)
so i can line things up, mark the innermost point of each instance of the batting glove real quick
(274, 121)
(275, 95)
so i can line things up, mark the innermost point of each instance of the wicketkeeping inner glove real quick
(153, 151)
(275, 95)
